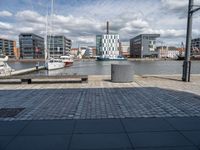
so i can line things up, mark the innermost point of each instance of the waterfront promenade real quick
(158, 96)
(151, 113)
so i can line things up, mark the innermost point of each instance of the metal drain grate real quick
(9, 112)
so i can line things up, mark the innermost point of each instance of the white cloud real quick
(5, 26)
(128, 18)
(175, 4)
(30, 16)
(5, 13)
(169, 33)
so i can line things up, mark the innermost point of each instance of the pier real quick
(24, 71)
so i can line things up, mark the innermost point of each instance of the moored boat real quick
(5, 69)
(52, 64)
(67, 59)
(119, 58)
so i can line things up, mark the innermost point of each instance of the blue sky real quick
(81, 20)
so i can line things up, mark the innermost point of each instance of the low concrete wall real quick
(122, 73)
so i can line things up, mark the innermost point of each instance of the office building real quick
(107, 45)
(195, 47)
(7, 47)
(58, 45)
(31, 46)
(144, 45)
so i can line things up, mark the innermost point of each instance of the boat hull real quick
(54, 65)
(110, 59)
(68, 63)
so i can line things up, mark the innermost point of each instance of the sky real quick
(82, 20)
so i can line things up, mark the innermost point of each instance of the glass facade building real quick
(31, 46)
(58, 45)
(144, 45)
(7, 48)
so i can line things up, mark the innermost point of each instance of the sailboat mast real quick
(52, 29)
(45, 42)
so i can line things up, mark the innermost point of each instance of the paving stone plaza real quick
(151, 113)
(146, 97)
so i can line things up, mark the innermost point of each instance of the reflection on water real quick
(92, 67)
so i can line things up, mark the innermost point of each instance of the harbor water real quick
(92, 67)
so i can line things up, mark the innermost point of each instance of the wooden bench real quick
(53, 78)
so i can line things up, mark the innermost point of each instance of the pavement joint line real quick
(179, 131)
(129, 139)
(17, 134)
(71, 136)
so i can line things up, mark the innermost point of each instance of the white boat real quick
(3, 59)
(67, 59)
(53, 64)
(5, 69)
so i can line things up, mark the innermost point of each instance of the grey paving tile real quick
(11, 127)
(158, 139)
(193, 136)
(185, 123)
(50, 142)
(99, 126)
(44, 127)
(4, 140)
(169, 148)
(99, 141)
(146, 124)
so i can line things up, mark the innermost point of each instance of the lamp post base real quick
(186, 71)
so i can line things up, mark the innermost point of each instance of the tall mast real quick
(45, 42)
(52, 29)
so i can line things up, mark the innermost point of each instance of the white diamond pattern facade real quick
(108, 45)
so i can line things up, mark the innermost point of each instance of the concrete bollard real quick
(122, 73)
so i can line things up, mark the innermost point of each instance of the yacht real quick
(67, 59)
(5, 69)
(51, 63)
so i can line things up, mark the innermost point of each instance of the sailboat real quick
(5, 69)
(50, 62)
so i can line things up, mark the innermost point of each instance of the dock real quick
(24, 71)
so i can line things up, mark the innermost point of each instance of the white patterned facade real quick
(107, 45)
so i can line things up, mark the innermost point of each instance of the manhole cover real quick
(9, 112)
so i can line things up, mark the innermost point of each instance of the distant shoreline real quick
(129, 59)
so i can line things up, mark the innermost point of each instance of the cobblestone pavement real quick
(148, 96)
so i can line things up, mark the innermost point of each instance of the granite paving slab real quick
(48, 127)
(98, 126)
(158, 139)
(99, 141)
(47, 142)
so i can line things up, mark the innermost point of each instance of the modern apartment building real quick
(107, 45)
(31, 46)
(58, 45)
(144, 45)
(195, 47)
(7, 48)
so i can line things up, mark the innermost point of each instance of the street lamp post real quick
(187, 62)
